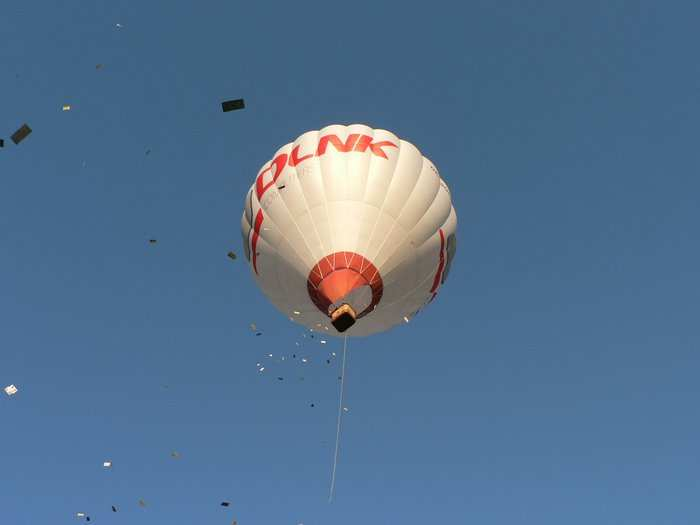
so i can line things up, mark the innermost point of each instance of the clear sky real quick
(553, 380)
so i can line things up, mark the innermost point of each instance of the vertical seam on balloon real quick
(269, 219)
(296, 225)
(364, 197)
(418, 247)
(345, 157)
(301, 234)
(356, 247)
(389, 281)
(381, 209)
(385, 306)
(279, 300)
(425, 214)
(325, 199)
(422, 282)
(267, 241)
(403, 207)
(308, 209)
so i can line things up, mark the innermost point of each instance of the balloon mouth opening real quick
(345, 286)
(343, 317)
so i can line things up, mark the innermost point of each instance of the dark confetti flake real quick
(232, 105)
(21, 134)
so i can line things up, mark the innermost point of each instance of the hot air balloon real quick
(349, 229)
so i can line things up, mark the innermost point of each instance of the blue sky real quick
(552, 381)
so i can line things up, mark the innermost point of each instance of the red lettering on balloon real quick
(294, 158)
(333, 139)
(375, 147)
(353, 142)
(278, 162)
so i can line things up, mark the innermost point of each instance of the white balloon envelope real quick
(349, 229)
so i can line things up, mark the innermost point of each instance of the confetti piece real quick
(10, 390)
(232, 105)
(21, 134)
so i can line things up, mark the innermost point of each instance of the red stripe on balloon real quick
(441, 266)
(256, 235)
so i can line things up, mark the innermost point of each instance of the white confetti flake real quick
(66, 107)
(10, 390)
(107, 464)
(323, 341)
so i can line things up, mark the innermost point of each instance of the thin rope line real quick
(340, 415)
